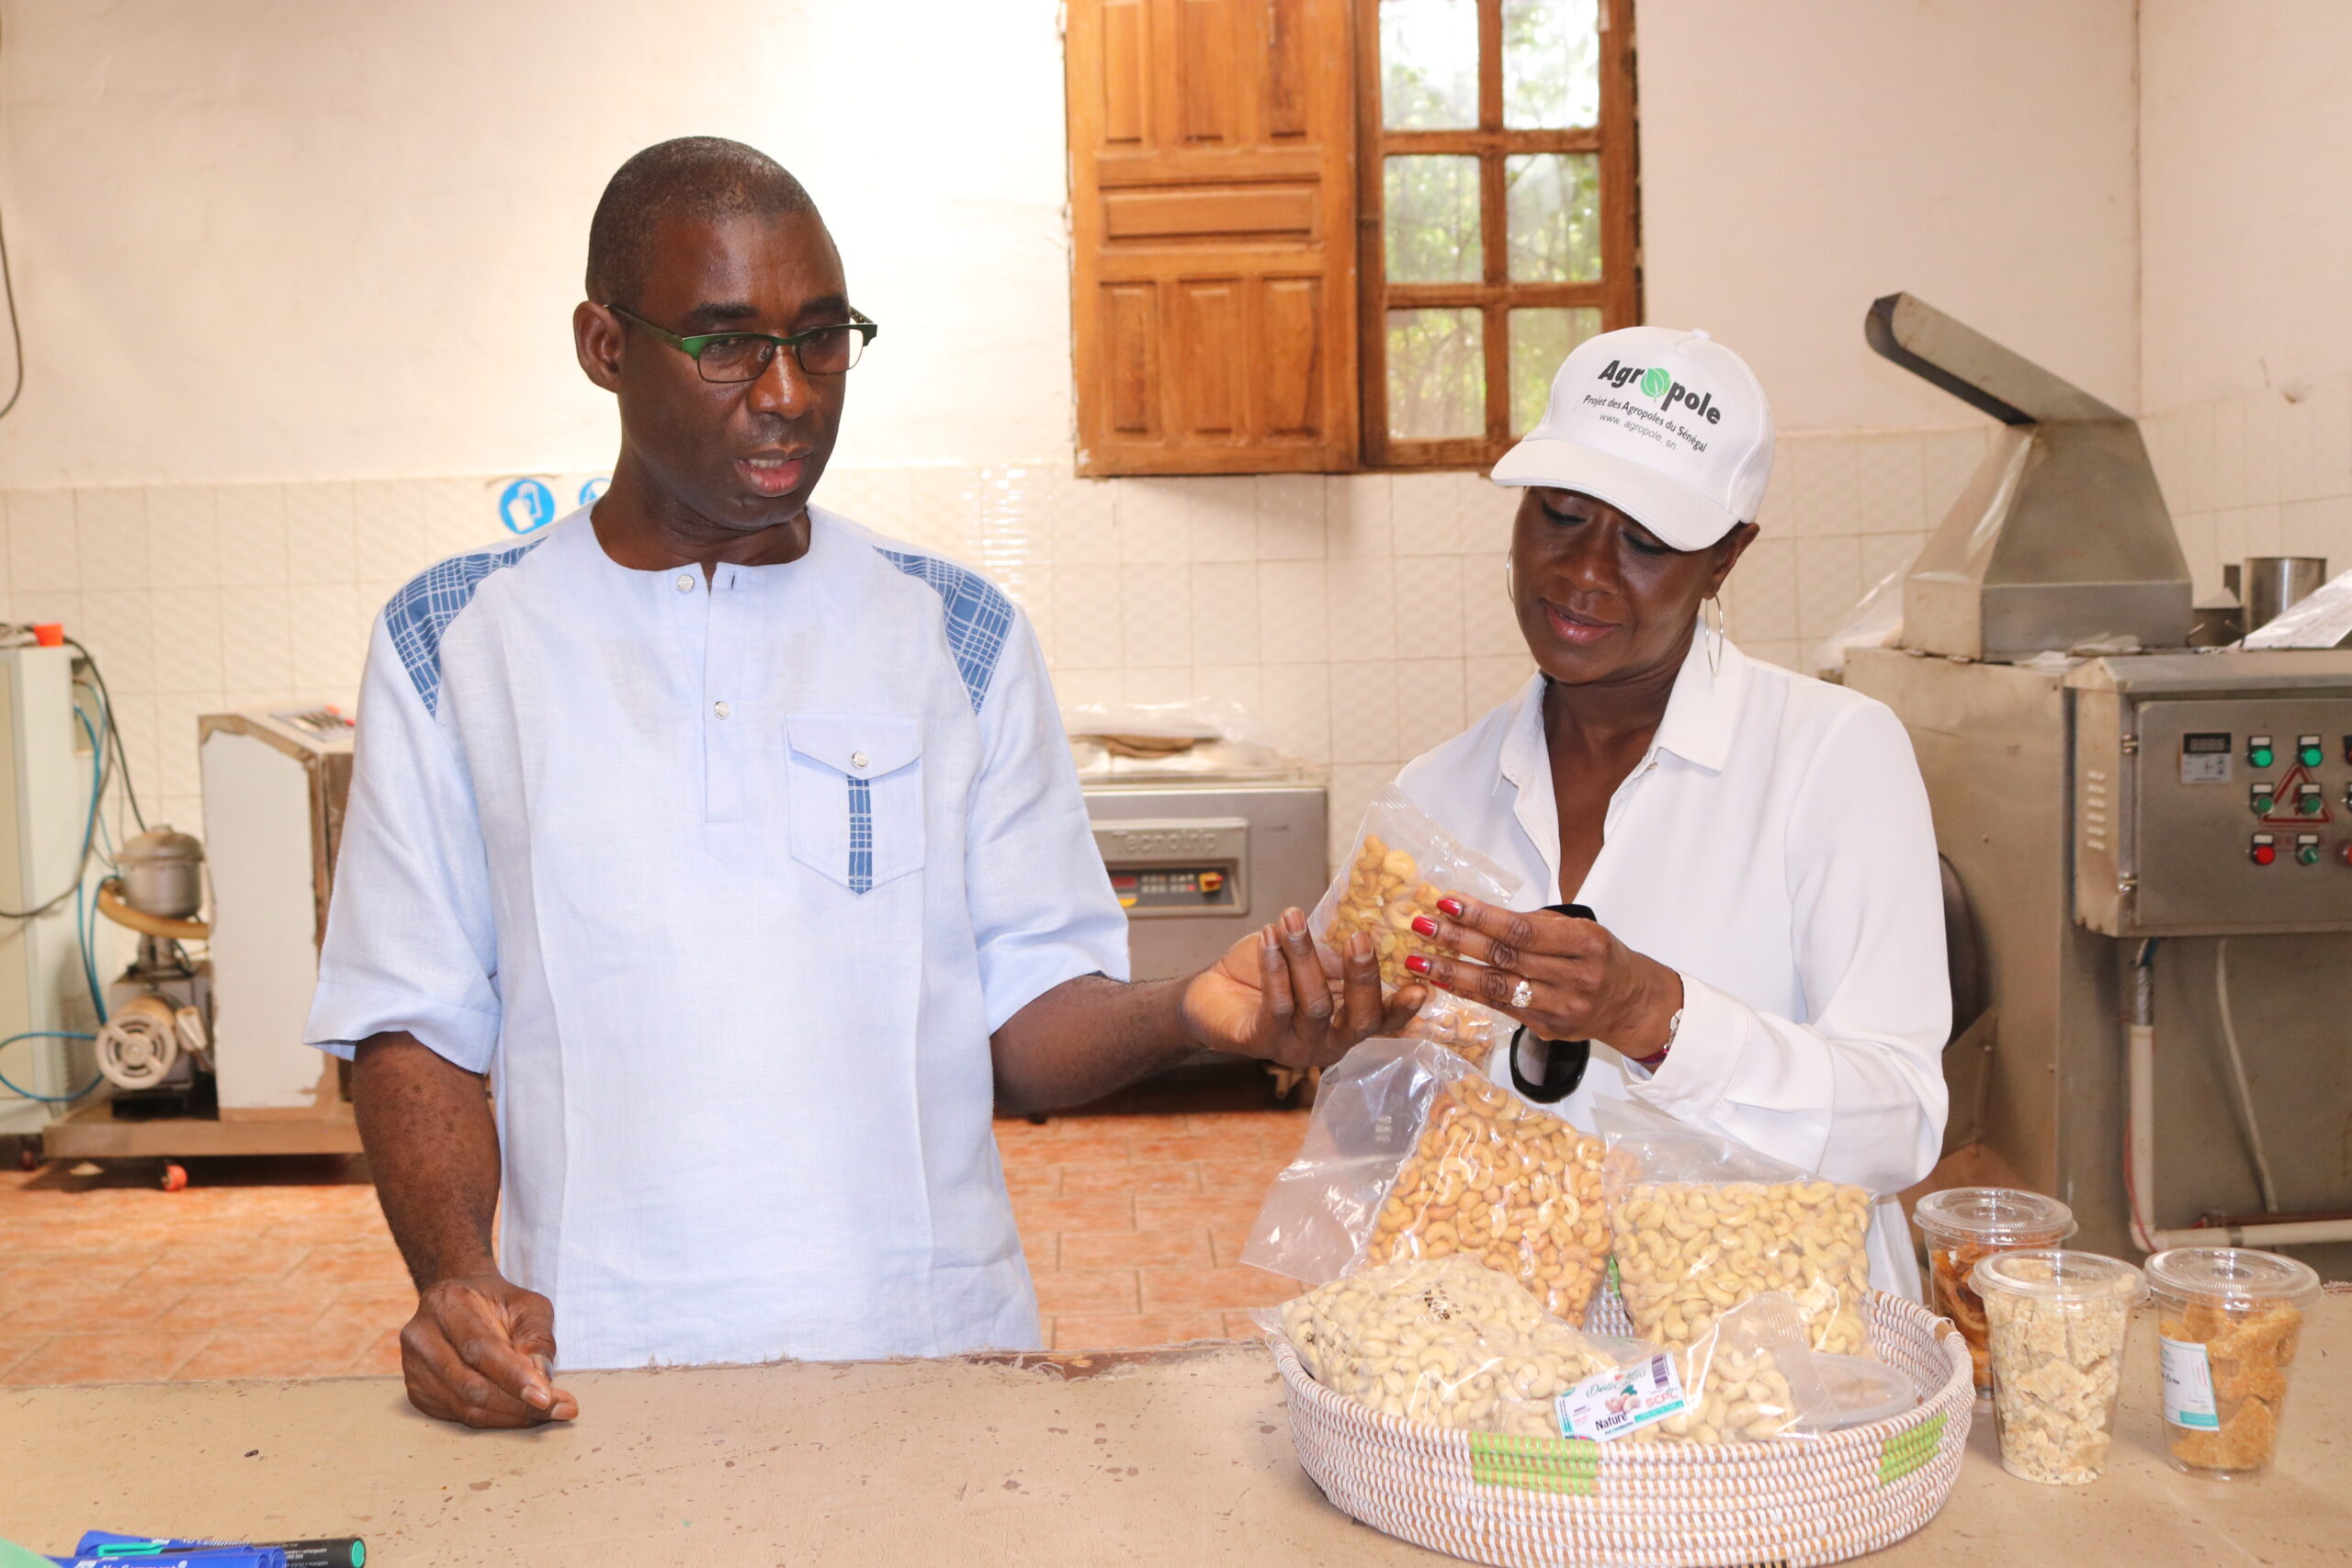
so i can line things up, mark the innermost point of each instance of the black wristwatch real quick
(1564, 1064)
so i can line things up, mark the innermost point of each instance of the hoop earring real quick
(1715, 646)
(1510, 583)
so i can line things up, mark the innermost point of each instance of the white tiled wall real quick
(1362, 616)
(2259, 474)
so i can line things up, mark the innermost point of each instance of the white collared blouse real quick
(1774, 846)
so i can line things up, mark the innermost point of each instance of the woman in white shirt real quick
(1765, 954)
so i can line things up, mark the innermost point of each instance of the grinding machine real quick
(2147, 850)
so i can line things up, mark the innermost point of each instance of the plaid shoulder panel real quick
(421, 611)
(978, 616)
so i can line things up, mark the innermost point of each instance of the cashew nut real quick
(1687, 1251)
(1443, 1341)
(1516, 1187)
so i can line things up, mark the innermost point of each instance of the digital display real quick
(2205, 744)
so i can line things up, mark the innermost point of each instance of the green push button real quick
(2308, 802)
(2307, 854)
(2311, 756)
(2265, 803)
(2258, 756)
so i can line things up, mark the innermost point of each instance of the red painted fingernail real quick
(1416, 964)
(1424, 925)
(1451, 908)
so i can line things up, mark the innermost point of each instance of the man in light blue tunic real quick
(740, 849)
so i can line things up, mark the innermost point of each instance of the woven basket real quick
(1528, 1501)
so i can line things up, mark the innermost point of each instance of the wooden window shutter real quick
(1212, 210)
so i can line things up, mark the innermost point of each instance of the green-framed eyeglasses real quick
(745, 357)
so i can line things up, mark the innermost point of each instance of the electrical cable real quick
(2144, 958)
(85, 930)
(2251, 1128)
(50, 1034)
(16, 327)
(122, 756)
(89, 828)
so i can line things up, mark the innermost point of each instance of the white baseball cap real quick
(1670, 427)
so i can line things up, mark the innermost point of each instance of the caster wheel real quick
(174, 1178)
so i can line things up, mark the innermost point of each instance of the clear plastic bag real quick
(1403, 862)
(1411, 1152)
(1749, 1377)
(1701, 1223)
(1447, 1340)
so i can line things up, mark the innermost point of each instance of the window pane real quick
(1540, 339)
(1550, 63)
(1429, 64)
(1432, 219)
(1437, 374)
(1551, 212)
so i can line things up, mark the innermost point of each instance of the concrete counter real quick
(1176, 1457)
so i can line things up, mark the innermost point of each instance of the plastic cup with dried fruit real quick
(1964, 1225)
(2057, 1321)
(2228, 1319)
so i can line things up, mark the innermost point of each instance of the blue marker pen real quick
(333, 1551)
(214, 1557)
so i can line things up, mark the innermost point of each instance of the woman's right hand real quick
(1580, 982)
(478, 1352)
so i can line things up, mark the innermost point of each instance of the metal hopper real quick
(2062, 536)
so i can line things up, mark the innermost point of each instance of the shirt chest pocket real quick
(856, 797)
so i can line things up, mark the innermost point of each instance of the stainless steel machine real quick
(2151, 849)
(1201, 860)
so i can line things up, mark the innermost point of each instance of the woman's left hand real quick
(1580, 982)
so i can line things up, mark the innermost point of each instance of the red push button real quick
(2264, 850)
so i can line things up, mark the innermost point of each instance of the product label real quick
(1623, 1401)
(2188, 1385)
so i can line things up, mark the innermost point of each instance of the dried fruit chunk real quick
(2247, 1351)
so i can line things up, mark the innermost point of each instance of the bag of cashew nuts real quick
(1412, 1153)
(1447, 1340)
(1402, 863)
(1702, 1223)
(1748, 1377)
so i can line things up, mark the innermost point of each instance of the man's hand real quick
(478, 1351)
(1276, 994)
(1582, 983)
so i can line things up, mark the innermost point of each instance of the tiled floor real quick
(1132, 1223)
(104, 1279)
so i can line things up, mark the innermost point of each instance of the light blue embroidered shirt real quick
(726, 885)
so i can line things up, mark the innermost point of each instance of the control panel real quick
(1177, 866)
(2200, 809)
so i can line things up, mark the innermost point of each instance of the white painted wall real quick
(297, 278)
(272, 239)
(1802, 157)
(2247, 150)
(280, 239)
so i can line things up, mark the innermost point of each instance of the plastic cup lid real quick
(2054, 1274)
(2231, 1274)
(1857, 1390)
(1992, 1213)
